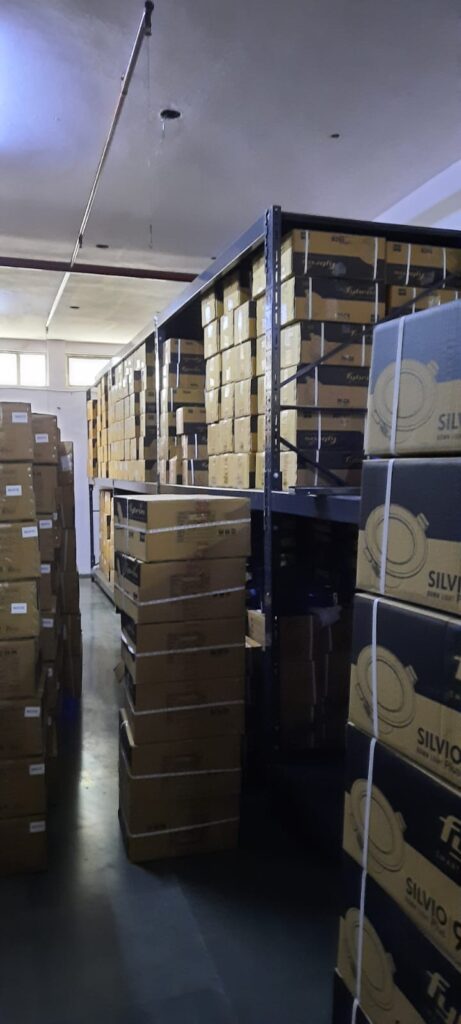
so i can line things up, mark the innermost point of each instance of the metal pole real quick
(90, 501)
(145, 29)
(272, 478)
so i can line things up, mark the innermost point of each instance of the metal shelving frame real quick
(183, 319)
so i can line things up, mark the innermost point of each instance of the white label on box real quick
(19, 608)
(19, 417)
(47, 623)
(45, 524)
(45, 568)
(37, 826)
(41, 439)
(29, 531)
(36, 769)
(13, 490)
(31, 712)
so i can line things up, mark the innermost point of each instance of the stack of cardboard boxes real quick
(106, 535)
(69, 651)
(183, 454)
(180, 585)
(399, 951)
(95, 450)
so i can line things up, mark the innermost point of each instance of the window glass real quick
(32, 369)
(8, 369)
(82, 371)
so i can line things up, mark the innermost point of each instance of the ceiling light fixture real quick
(335, 135)
(102, 245)
(74, 307)
(169, 114)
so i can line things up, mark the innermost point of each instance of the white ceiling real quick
(261, 86)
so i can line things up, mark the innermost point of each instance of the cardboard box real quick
(21, 728)
(425, 402)
(322, 430)
(327, 387)
(45, 480)
(213, 373)
(402, 300)
(48, 637)
(48, 538)
(176, 349)
(46, 438)
(18, 610)
(195, 472)
(68, 551)
(226, 331)
(211, 339)
(22, 787)
(200, 710)
(245, 322)
(227, 401)
(16, 439)
(420, 265)
(226, 436)
(221, 605)
(69, 592)
(167, 637)
(212, 307)
(190, 419)
(244, 357)
(194, 446)
(305, 342)
(320, 468)
(18, 669)
(412, 655)
(65, 501)
(337, 299)
(414, 857)
(170, 528)
(258, 276)
(212, 405)
(246, 397)
(257, 626)
(261, 316)
(175, 470)
(17, 500)
(229, 366)
(220, 663)
(19, 553)
(179, 756)
(47, 586)
(235, 291)
(331, 254)
(414, 504)
(243, 466)
(246, 434)
(214, 439)
(178, 378)
(403, 976)
(66, 464)
(259, 471)
(171, 399)
(22, 844)
(176, 591)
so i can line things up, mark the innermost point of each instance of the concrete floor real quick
(241, 938)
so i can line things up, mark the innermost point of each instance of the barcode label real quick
(47, 623)
(45, 568)
(32, 712)
(29, 531)
(19, 417)
(36, 769)
(13, 490)
(19, 608)
(41, 439)
(37, 826)
(45, 524)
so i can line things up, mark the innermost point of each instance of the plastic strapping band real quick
(192, 472)
(407, 275)
(375, 264)
(177, 374)
(179, 350)
(306, 251)
(363, 884)
(374, 674)
(322, 340)
(196, 446)
(396, 392)
(444, 262)
(182, 828)
(310, 299)
(182, 597)
(319, 429)
(316, 385)
(376, 301)
(187, 526)
(385, 534)
(175, 775)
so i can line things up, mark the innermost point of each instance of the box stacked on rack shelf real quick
(180, 586)
(22, 727)
(183, 455)
(70, 637)
(106, 534)
(411, 268)
(92, 468)
(127, 426)
(403, 786)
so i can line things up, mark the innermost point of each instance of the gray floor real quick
(240, 938)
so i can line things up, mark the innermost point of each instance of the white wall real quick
(69, 405)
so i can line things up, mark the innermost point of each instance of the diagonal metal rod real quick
(145, 29)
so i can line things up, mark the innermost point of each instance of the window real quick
(25, 369)
(82, 370)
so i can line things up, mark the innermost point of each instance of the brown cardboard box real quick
(178, 378)
(220, 663)
(19, 553)
(47, 586)
(22, 844)
(226, 331)
(305, 342)
(65, 464)
(214, 438)
(408, 854)
(245, 322)
(48, 638)
(420, 265)
(414, 503)
(176, 349)
(181, 591)
(17, 500)
(18, 610)
(48, 538)
(235, 291)
(65, 501)
(320, 468)
(246, 397)
(204, 837)
(213, 373)
(261, 316)
(258, 276)
(331, 254)
(226, 436)
(416, 709)
(16, 440)
(322, 430)
(46, 438)
(178, 695)
(244, 360)
(257, 626)
(175, 470)
(211, 339)
(18, 669)
(22, 787)
(424, 409)
(212, 308)
(242, 470)
(69, 592)
(414, 301)
(211, 710)
(228, 366)
(327, 387)
(246, 434)
(216, 527)
(190, 419)
(21, 728)
(168, 637)
(212, 405)
(227, 401)
(259, 471)
(68, 551)
(195, 472)
(185, 755)
(45, 484)
(323, 298)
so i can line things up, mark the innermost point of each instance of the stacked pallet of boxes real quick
(106, 534)
(180, 582)
(132, 440)
(93, 432)
(22, 726)
(399, 950)
(183, 453)
(69, 655)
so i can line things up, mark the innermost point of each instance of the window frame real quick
(87, 359)
(17, 354)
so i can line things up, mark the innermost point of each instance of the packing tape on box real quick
(177, 650)
(375, 260)
(385, 532)
(183, 597)
(363, 883)
(176, 775)
(180, 707)
(179, 828)
(306, 251)
(187, 526)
